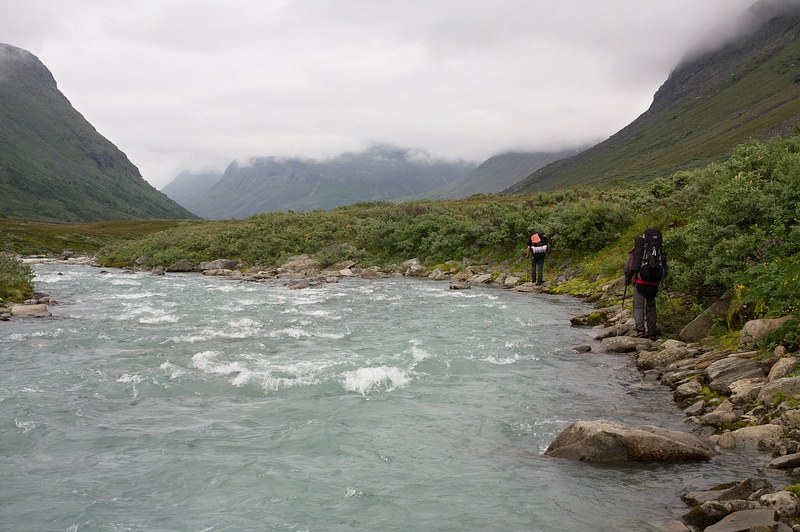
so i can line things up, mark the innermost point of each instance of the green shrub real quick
(16, 279)
(787, 335)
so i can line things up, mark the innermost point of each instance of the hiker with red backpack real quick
(646, 268)
(537, 249)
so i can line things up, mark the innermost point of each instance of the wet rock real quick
(742, 490)
(604, 441)
(755, 438)
(789, 461)
(37, 310)
(748, 519)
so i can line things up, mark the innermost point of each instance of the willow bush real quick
(16, 279)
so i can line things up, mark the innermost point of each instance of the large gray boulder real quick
(606, 441)
(753, 438)
(220, 264)
(183, 266)
(300, 265)
(37, 310)
(702, 324)
(754, 330)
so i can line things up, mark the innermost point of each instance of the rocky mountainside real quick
(266, 184)
(54, 166)
(713, 101)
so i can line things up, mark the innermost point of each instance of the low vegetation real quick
(15, 279)
(733, 225)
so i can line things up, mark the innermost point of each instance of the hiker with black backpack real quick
(537, 249)
(646, 268)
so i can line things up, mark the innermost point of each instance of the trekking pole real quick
(622, 309)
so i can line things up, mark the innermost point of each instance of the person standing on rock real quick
(646, 267)
(537, 249)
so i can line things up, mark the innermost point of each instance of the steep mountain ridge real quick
(747, 88)
(54, 166)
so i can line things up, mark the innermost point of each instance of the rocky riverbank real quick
(738, 400)
(735, 400)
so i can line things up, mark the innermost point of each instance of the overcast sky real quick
(194, 84)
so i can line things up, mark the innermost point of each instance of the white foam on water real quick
(163, 318)
(223, 287)
(330, 336)
(25, 426)
(244, 323)
(319, 313)
(367, 380)
(175, 371)
(128, 378)
(501, 361)
(206, 361)
(125, 282)
(291, 332)
(189, 338)
(419, 353)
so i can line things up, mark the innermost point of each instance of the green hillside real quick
(747, 89)
(54, 165)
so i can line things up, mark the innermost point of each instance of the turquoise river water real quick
(191, 403)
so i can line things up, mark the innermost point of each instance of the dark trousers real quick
(537, 268)
(644, 308)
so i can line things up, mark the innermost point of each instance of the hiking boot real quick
(638, 334)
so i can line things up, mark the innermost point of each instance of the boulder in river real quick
(607, 441)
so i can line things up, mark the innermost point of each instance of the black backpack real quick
(648, 258)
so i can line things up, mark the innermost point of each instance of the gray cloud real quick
(192, 85)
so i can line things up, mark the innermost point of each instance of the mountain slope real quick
(748, 88)
(275, 184)
(54, 165)
(187, 189)
(495, 174)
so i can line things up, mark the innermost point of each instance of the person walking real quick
(646, 267)
(537, 249)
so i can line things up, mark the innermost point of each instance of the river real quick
(183, 402)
